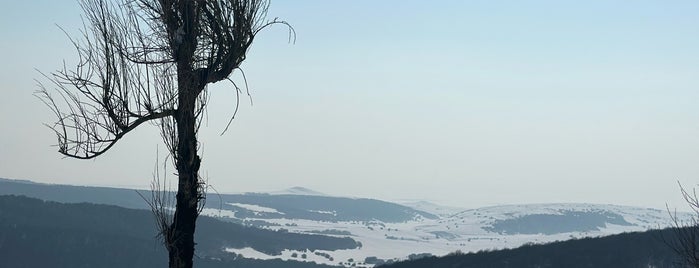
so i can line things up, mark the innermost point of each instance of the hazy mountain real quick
(433, 208)
(298, 191)
(127, 198)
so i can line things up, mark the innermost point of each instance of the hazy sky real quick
(467, 103)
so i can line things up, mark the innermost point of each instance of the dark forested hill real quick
(317, 208)
(126, 198)
(36, 233)
(310, 207)
(632, 250)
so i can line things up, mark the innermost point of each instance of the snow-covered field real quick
(465, 231)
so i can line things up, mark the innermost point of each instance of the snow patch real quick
(256, 208)
(334, 213)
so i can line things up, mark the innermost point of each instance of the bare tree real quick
(151, 61)
(685, 241)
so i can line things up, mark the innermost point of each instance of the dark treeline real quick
(36, 233)
(641, 249)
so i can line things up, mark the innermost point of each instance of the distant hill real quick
(313, 207)
(127, 198)
(299, 191)
(628, 250)
(295, 203)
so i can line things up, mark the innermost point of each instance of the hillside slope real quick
(36, 233)
(628, 250)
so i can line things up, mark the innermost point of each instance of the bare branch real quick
(124, 77)
(161, 203)
(686, 231)
(231, 26)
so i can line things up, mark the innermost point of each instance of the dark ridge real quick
(567, 221)
(36, 233)
(126, 198)
(312, 208)
(293, 206)
(628, 250)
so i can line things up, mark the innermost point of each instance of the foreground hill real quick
(36, 233)
(632, 250)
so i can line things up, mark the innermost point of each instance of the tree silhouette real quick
(685, 241)
(151, 61)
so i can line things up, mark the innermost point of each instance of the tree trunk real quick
(181, 246)
(182, 230)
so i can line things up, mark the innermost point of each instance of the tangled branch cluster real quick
(127, 72)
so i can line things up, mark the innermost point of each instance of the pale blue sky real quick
(467, 103)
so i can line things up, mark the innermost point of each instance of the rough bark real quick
(181, 247)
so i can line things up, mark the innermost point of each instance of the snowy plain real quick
(453, 230)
